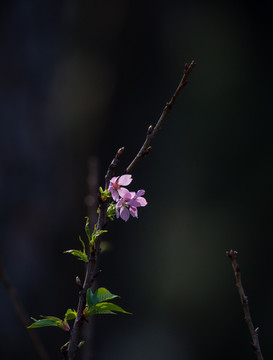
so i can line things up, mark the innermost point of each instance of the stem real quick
(151, 133)
(232, 255)
(91, 269)
(91, 202)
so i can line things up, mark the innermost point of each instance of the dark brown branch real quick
(151, 133)
(21, 312)
(102, 218)
(91, 202)
(232, 255)
(91, 269)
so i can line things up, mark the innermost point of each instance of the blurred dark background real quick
(80, 79)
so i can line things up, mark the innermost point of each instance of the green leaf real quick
(99, 295)
(87, 228)
(83, 244)
(70, 314)
(81, 255)
(96, 303)
(89, 296)
(111, 211)
(105, 308)
(102, 294)
(81, 344)
(50, 321)
(104, 194)
(46, 321)
(96, 233)
(78, 253)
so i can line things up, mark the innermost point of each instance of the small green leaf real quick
(105, 308)
(50, 321)
(46, 321)
(111, 211)
(104, 194)
(81, 344)
(96, 233)
(89, 296)
(102, 294)
(95, 303)
(70, 314)
(81, 255)
(78, 253)
(99, 295)
(112, 307)
(87, 228)
(83, 244)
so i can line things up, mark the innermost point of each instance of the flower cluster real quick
(127, 201)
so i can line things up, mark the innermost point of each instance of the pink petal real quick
(119, 203)
(133, 203)
(125, 180)
(124, 193)
(133, 211)
(142, 201)
(114, 179)
(117, 212)
(124, 213)
(114, 194)
(140, 193)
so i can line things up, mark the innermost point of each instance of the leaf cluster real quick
(81, 254)
(97, 303)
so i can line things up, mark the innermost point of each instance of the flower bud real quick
(65, 326)
(78, 282)
(150, 129)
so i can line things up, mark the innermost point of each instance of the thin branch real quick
(21, 312)
(91, 202)
(232, 255)
(91, 270)
(151, 132)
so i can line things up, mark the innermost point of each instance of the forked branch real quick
(70, 349)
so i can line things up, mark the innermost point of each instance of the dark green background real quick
(82, 79)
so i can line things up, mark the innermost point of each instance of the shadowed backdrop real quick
(81, 79)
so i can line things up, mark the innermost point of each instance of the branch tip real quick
(120, 152)
(232, 254)
(152, 131)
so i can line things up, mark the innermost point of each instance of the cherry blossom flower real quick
(129, 202)
(115, 185)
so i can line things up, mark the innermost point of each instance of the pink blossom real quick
(129, 202)
(115, 185)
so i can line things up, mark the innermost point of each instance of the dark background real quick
(82, 79)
